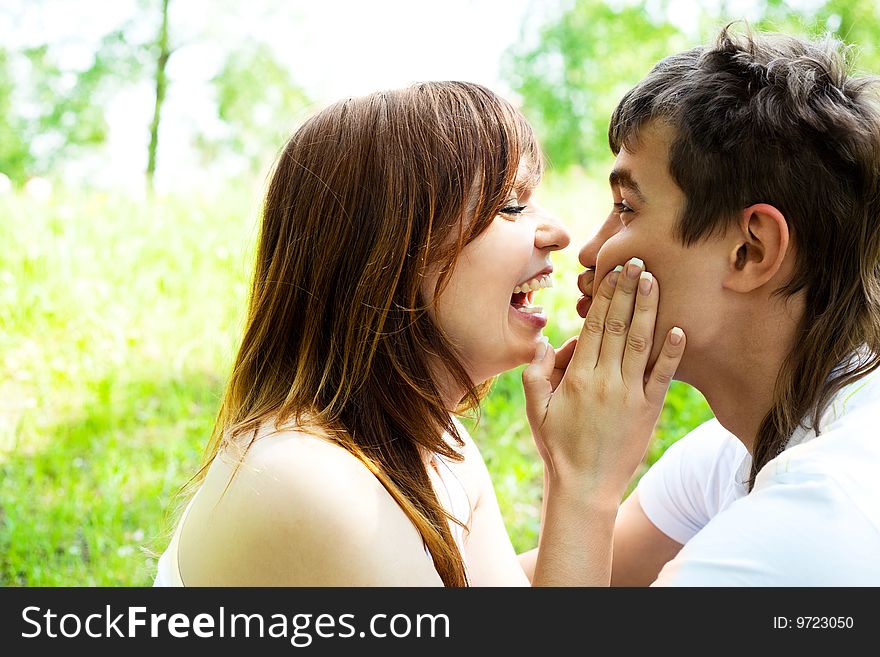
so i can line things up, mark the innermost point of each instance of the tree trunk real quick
(161, 87)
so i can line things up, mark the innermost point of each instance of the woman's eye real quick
(512, 209)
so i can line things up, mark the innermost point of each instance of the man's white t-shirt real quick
(812, 519)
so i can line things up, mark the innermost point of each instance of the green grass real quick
(118, 322)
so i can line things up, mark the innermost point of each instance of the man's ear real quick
(760, 242)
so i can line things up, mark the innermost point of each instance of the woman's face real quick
(490, 308)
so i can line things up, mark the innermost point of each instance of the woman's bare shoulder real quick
(300, 510)
(286, 452)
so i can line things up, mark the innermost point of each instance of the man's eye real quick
(622, 208)
(512, 209)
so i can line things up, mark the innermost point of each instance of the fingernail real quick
(646, 280)
(541, 350)
(634, 267)
(675, 336)
(612, 279)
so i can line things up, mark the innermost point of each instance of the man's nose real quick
(590, 251)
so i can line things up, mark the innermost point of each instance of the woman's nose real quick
(551, 234)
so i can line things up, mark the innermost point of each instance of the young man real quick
(748, 179)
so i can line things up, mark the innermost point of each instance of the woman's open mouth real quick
(521, 301)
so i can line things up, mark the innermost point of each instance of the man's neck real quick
(738, 379)
(741, 397)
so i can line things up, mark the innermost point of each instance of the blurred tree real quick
(15, 156)
(259, 105)
(855, 22)
(49, 112)
(591, 52)
(53, 112)
(162, 52)
(68, 113)
(585, 59)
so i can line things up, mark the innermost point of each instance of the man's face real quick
(647, 204)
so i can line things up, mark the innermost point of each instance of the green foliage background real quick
(118, 321)
(573, 65)
(119, 317)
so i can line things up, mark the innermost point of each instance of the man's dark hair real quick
(779, 120)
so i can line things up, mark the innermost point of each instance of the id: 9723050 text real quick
(813, 623)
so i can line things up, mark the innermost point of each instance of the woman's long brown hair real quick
(367, 196)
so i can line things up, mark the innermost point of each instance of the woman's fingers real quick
(618, 333)
(563, 358)
(619, 316)
(536, 383)
(665, 367)
(640, 339)
(589, 342)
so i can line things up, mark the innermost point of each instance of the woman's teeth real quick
(523, 295)
(534, 284)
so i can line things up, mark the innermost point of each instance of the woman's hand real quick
(592, 417)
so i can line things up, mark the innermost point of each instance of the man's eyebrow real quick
(623, 178)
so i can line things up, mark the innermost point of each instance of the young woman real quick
(397, 270)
